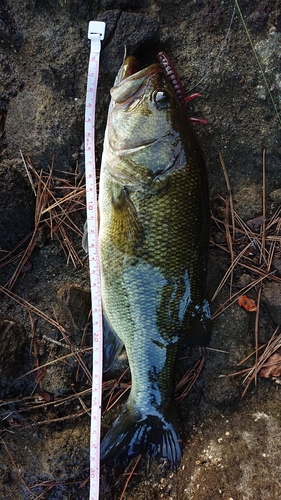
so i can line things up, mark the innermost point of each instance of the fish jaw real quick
(129, 87)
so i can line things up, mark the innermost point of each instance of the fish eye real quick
(161, 98)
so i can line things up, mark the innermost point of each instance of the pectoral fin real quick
(126, 229)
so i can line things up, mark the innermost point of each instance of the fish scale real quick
(153, 239)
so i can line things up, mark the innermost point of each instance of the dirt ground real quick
(230, 444)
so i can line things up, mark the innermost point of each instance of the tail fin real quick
(133, 434)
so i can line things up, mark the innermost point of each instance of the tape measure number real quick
(95, 34)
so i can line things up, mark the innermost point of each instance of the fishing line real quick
(219, 53)
(258, 62)
(236, 4)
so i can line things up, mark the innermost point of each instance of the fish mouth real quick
(130, 69)
(130, 80)
(127, 92)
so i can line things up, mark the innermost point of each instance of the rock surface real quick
(272, 299)
(230, 446)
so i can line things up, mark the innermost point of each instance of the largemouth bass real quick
(153, 238)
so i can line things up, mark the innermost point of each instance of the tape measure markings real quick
(95, 34)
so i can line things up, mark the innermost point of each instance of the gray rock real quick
(275, 195)
(277, 265)
(221, 391)
(16, 207)
(258, 18)
(269, 52)
(74, 305)
(125, 30)
(271, 296)
(247, 201)
(13, 345)
(121, 4)
(58, 378)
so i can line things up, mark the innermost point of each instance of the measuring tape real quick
(95, 34)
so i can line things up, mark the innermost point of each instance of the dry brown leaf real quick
(255, 224)
(247, 303)
(273, 366)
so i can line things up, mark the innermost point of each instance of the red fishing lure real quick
(175, 80)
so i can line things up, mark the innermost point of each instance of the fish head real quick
(145, 124)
